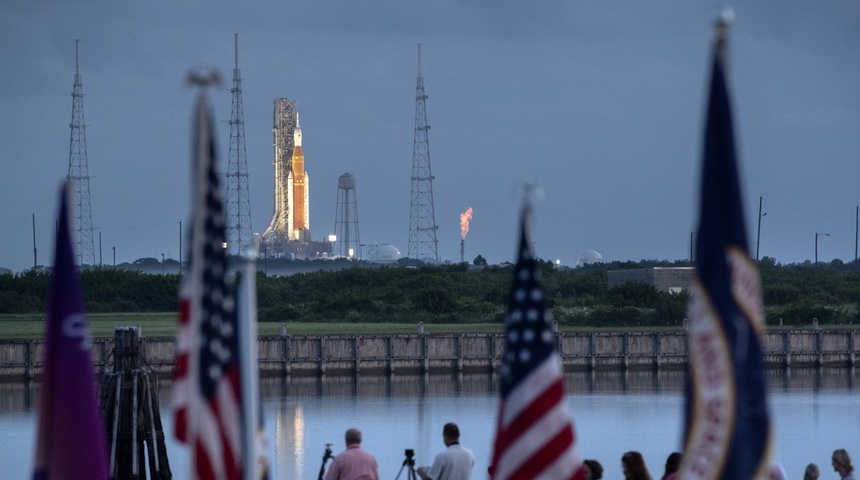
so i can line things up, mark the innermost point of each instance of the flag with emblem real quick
(728, 433)
(535, 436)
(68, 407)
(207, 400)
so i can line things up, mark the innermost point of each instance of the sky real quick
(598, 103)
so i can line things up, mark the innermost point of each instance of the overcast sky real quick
(598, 102)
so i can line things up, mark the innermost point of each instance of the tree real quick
(480, 261)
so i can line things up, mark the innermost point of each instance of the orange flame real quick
(464, 222)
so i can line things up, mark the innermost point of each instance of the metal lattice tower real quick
(238, 196)
(79, 173)
(346, 218)
(422, 215)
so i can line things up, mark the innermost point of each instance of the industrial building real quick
(665, 279)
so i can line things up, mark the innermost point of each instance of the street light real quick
(162, 264)
(692, 234)
(758, 234)
(816, 244)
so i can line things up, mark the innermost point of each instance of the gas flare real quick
(464, 222)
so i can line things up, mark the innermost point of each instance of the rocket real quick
(290, 221)
(299, 180)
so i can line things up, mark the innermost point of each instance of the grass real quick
(24, 327)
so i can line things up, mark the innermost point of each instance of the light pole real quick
(816, 244)
(162, 264)
(692, 234)
(758, 234)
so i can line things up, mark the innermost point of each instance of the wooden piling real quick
(131, 412)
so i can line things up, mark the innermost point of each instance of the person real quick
(777, 472)
(633, 467)
(673, 463)
(354, 463)
(812, 472)
(454, 463)
(593, 469)
(841, 462)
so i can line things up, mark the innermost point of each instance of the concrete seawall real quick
(467, 352)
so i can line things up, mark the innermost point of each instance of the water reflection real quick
(589, 382)
(17, 397)
(290, 437)
(814, 412)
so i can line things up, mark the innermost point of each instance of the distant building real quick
(665, 279)
(589, 257)
(384, 253)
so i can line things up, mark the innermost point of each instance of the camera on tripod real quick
(326, 456)
(409, 465)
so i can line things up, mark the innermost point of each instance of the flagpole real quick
(246, 311)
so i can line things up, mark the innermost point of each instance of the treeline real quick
(794, 294)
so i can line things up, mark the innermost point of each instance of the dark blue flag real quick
(728, 432)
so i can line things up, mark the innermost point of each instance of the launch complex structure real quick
(288, 233)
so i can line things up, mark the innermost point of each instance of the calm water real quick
(814, 411)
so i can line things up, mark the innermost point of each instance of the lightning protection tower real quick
(346, 218)
(238, 196)
(422, 215)
(79, 174)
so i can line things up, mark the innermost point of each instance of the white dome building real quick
(384, 253)
(589, 257)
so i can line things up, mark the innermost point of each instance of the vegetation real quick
(457, 294)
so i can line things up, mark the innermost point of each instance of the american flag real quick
(207, 387)
(728, 433)
(535, 437)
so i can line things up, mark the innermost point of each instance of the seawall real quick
(310, 355)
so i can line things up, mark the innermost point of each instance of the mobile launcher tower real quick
(288, 233)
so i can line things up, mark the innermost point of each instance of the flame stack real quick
(464, 230)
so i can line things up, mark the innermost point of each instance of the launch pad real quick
(288, 233)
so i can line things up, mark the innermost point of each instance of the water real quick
(815, 411)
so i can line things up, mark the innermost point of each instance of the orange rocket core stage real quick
(300, 213)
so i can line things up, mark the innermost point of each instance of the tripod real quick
(409, 462)
(326, 456)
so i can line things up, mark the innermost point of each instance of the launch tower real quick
(290, 224)
(346, 218)
(238, 195)
(79, 172)
(422, 215)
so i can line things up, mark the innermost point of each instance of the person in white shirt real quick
(454, 463)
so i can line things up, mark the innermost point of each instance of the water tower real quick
(346, 218)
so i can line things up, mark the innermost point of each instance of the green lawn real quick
(16, 327)
(164, 325)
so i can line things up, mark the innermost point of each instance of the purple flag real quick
(71, 439)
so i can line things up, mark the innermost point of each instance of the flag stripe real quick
(534, 441)
(525, 394)
(535, 411)
(546, 457)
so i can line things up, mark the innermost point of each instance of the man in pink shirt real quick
(354, 463)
